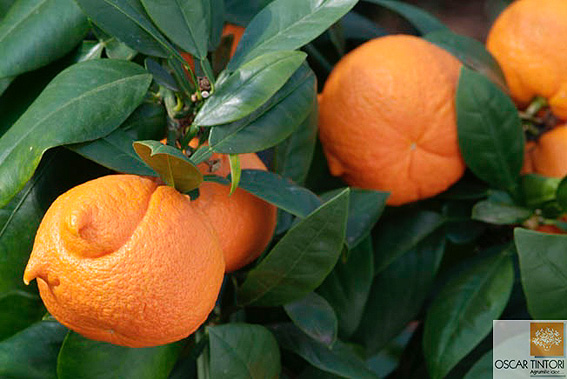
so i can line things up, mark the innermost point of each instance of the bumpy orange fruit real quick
(124, 260)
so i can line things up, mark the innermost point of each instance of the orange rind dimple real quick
(125, 255)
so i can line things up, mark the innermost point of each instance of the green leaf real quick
(173, 167)
(280, 192)
(216, 23)
(471, 52)
(498, 213)
(4, 84)
(36, 32)
(4, 7)
(539, 189)
(249, 87)
(482, 368)
(89, 50)
(561, 193)
(127, 21)
(186, 23)
(18, 310)
(85, 102)
(339, 359)
(271, 123)
(117, 50)
(235, 172)
(32, 353)
(461, 315)
(241, 12)
(160, 75)
(84, 358)
(490, 132)
(116, 152)
(293, 156)
(420, 19)
(396, 235)
(243, 351)
(348, 286)
(287, 25)
(301, 260)
(398, 293)
(542, 268)
(315, 317)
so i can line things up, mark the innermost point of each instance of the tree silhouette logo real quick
(546, 339)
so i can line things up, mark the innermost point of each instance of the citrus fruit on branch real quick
(548, 155)
(387, 118)
(124, 260)
(243, 222)
(527, 40)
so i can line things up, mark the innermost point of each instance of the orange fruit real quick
(548, 156)
(550, 229)
(228, 29)
(387, 118)
(527, 40)
(124, 260)
(243, 222)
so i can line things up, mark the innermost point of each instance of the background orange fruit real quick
(244, 223)
(387, 118)
(548, 156)
(124, 260)
(528, 41)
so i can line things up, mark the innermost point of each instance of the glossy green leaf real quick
(84, 358)
(127, 21)
(471, 52)
(160, 75)
(461, 315)
(56, 26)
(235, 172)
(32, 353)
(116, 152)
(216, 23)
(542, 268)
(118, 50)
(482, 368)
(241, 12)
(398, 293)
(301, 260)
(279, 191)
(420, 19)
(89, 50)
(402, 232)
(287, 25)
(249, 87)
(561, 193)
(173, 167)
(294, 155)
(539, 189)
(186, 23)
(4, 84)
(498, 213)
(4, 7)
(243, 351)
(490, 132)
(338, 360)
(85, 102)
(18, 310)
(271, 123)
(348, 286)
(315, 317)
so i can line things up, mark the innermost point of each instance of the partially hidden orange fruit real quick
(124, 260)
(527, 40)
(387, 118)
(548, 155)
(243, 222)
(229, 29)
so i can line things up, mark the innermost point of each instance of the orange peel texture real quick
(528, 41)
(387, 118)
(124, 260)
(243, 222)
(548, 155)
